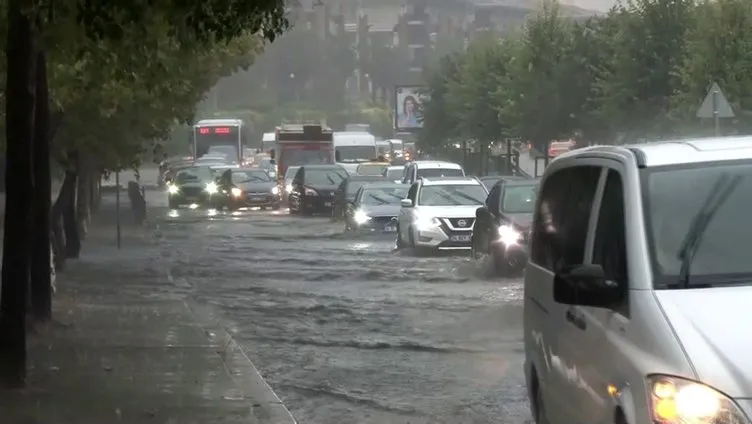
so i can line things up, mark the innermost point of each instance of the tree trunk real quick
(19, 130)
(66, 193)
(41, 288)
(83, 194)
(70, 223)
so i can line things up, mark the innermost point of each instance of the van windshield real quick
(673, 196)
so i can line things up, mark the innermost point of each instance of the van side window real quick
(610, 244)
(561, 221)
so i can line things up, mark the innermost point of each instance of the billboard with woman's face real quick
(407, 108)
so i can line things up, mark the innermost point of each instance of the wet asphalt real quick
(344, 328)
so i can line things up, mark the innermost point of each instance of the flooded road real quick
(348, 331)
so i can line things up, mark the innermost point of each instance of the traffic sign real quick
(715, 104)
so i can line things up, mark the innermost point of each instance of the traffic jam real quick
(371, 187)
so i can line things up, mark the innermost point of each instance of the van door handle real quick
(576, 319)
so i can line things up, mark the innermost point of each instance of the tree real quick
(469, 99)
(28, 23)
(718, 48)
(635, 89)
(439, 122)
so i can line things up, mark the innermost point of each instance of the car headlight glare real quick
(675, 400)
(275, 190)
(172, 189)
(236, 192)
(425, 223)
(212, 188)
(288, 188)
(361, 217)
(508, 235)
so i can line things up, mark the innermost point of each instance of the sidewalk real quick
(126, 348)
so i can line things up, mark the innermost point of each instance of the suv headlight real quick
(677, 401)
(361, 217)
(275, 190)
(425, 223)
(172, 189)
(212, 188)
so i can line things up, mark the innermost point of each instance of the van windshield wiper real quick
(719, 193)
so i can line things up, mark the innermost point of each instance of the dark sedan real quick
(376, 207)
(194, 187)
(502, 225)
(247, 188)
(313, 188)
(345, 193)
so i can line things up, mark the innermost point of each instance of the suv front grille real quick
(459, 224)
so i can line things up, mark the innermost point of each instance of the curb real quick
(267, 407)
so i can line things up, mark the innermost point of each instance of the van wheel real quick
(538, 406)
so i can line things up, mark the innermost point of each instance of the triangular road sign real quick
(720, 104)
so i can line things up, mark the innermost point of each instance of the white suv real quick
(439, 214)
(638, 280)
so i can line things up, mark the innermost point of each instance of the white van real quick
(638, 281)
(430, 169)
(354, 147)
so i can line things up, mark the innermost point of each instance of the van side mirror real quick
(406, 203)
(337, 156)
(586, 285)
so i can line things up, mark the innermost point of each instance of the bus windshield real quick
(211, 138)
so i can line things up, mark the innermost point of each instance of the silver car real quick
(639, 267)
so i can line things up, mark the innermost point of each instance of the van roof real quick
(677, 152)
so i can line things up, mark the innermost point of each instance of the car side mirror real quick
(406, 203)
(586, 285)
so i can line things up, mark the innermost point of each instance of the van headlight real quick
(275, 190)
(212, 188)
(172, 189)
(508, 235)
(675, 400)
(361, 217)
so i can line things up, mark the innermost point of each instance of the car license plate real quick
(256, 199)
(390, 229)
(460, 238)
(327, 204)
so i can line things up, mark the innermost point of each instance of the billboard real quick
(407, 107)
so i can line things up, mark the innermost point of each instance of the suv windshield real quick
(245, 176)
(193, 175)
(328, 177)
(383, 195)
(519, 199)
(452, 195)
(439, 172)
(673, 196)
